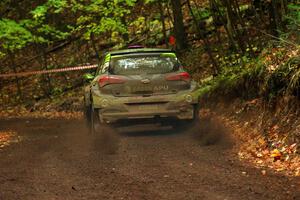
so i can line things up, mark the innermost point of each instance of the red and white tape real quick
(66, 69)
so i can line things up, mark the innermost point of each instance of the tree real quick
(13, 36)
(162, 19)
(179, 30)
(206, 41)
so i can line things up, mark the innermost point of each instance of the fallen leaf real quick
(276, 154)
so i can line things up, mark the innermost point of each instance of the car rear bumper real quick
(114, 116)
(180, 105)
(108, 115)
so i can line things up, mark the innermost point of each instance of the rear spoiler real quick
(138, 51)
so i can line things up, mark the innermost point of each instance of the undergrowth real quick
(276, 72)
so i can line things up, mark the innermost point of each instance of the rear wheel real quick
(87, 115)
(94, 122)
(91, 119)
(196, 115)
(189, 123)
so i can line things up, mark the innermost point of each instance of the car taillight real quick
(108, 79)
(181, 76)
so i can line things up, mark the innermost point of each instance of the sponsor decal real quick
(156, 88)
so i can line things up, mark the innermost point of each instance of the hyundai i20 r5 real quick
(140, 84)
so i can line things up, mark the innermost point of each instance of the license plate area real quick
(147, 107)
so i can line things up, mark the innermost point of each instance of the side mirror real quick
(88, 77)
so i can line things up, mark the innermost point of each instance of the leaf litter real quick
(266, 148)
(8, 137)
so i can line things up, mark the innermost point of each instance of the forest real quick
(227, 39)
(245, 55)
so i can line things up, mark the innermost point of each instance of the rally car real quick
(140, 84)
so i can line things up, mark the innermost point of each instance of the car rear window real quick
(143, 64)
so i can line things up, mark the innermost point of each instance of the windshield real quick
(143, 64)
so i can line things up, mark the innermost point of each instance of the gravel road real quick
(58, 159)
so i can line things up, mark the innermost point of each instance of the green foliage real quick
(138, 25)
(255, 78)
(88, 76)
(236, 81)
(156, 32)
(16, 35)
(100, 17)
(13, 36)
(201, 13)
(295, 12)
(57, 91)
(293, 23)
(285, 79)
(2, 54)
(44, 31)
(294, 64)
(51, 6)
(94, 17)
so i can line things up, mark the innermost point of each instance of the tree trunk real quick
(45, 78)
(180, 34)
(125, 35)
(94, 47)
(19, 95)
(232, 24)
(275, 17)
(218, 14)
(206, 41)
(162, 19)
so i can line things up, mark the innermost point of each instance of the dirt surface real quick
(58, 159)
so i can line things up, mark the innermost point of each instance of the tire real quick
(189, 123)
(87, 115)
(195, 120)
(91, 119)
(94, 122)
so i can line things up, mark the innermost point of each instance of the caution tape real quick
(67, 69)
